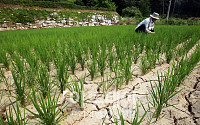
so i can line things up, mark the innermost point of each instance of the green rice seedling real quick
(72, 60)
(136, 120)
(47, 111)
(144, 65)
(18, 64)
(10, 119)
(111, 57)
(77, 89)
(119, 76)
(151, 57)
(79, 55)
(92, 63)
(43, 79)
(136, 116)
(163, 91)
(20, 86)
(92, 68)
(63, 75)
(101, 58)
(4, 59)
(32, 60)
(106, 85)
(126, 66)
(43, 54)
(169, 55)
(135, 55)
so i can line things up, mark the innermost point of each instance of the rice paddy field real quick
(100, 75)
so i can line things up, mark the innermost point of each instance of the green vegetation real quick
(47, 110)
(107, 5)
(44, 59)
(25, 16)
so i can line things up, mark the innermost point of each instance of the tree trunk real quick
(169, 9)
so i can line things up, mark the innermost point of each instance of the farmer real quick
(147, 25)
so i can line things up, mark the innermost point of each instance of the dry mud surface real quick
(186, 110)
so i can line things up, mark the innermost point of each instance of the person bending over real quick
(147, 25)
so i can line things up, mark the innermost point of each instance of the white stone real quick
(44, 24)
(4, 25)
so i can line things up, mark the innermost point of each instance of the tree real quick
(169, 9)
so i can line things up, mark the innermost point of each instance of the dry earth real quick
(186, 110)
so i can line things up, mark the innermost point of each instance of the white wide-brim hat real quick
(155, 15)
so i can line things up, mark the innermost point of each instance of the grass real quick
(47, 111)
(135, 121)
(76, 88)
(106, 85)
(163, 91)
(43, 80)
(30, 53)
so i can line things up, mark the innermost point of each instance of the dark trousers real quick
(142, 28)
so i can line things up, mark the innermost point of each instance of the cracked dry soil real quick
(186, 110)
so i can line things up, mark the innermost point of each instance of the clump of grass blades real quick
(126, 66)
(62, 73)
(47, 111)
(106, 85)
(144, 65)
(119, 76)
(4, 59)
(11, 120)
(163, 91)
(19, 82)
(92, 68)
(77, 88)
(136, 120)
(79, 54)
(43, 80)
(111, 58)
(101, 58)
(169, 55)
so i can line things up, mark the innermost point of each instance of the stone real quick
(4, 25)
(44, 24)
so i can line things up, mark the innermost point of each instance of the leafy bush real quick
(131, 12)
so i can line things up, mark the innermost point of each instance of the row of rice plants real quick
(166, 88)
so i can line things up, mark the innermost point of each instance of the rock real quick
(44, 24)
(4, 25)
(91, 24)
(34, 27)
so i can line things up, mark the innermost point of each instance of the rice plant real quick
(20, 86)
(160, 94)
(106, 85)
(62, 73)
(126, 66)
(101, 58)
(111, 57)
(77, 90)
(47, 111)
(71, 57)
(79, 55)
(144, 65)
(43, 80)
(136, 55)
(135, 121)
(17, 118)
(4, 59)
(119, 75)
